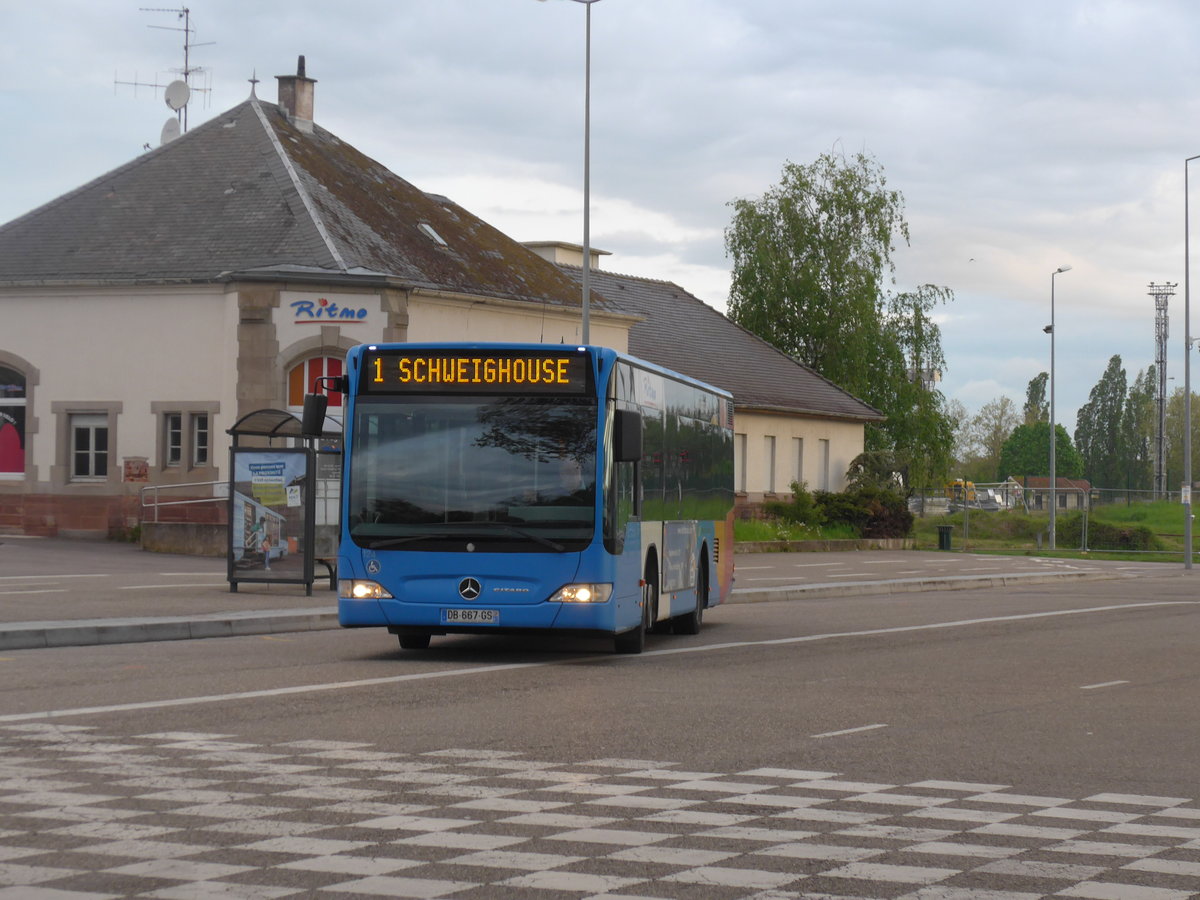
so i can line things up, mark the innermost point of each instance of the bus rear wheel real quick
(413, 640)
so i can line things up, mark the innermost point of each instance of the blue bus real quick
(502, 488)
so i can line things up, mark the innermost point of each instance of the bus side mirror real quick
(627, 436)
(312, 423)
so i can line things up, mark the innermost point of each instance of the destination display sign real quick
(467, 372)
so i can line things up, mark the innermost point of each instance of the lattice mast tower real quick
(1161, 293)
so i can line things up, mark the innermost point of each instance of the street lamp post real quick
(587, 170)
(1187, 374)
(1053, 428)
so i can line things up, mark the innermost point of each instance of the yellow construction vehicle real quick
(961, 491)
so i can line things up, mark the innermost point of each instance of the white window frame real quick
(200, 428)
(179, 452)
(93, 425)
(173, 439)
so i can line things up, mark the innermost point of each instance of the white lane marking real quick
(1103, 684)
(484, 670)
(778, 577)
(37, 591)
(848, 731)
(36, 577)
(275, 692)
(793, 566)
(863, 574)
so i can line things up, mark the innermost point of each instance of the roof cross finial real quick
(253, 81)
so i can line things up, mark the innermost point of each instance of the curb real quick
(911, 585)
(88, 632)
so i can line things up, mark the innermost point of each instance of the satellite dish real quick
(170, 131)
(177, 95)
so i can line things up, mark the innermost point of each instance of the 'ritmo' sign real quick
(325, 310)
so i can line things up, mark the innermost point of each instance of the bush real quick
(802, 509)
(871, 512)
(867, 512)
(1105, 535)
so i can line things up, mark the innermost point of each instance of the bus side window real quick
(627, 436)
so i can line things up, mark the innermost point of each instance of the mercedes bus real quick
(518, 488)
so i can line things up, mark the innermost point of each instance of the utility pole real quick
(1161, 293)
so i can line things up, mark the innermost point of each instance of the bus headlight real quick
(359, 589)
(582, 593)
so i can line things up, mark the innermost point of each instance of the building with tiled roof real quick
(1069, 493)
(149, 310)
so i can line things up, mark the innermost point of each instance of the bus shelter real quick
(283, 500)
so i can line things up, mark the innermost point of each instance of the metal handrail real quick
(159, 503)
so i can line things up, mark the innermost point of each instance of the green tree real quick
(989, 429)
(1098, 428)
(1037, 408)
(957, 412)
(967, 461)
(877, 470)
(1139, 428)
(1175, 427)
(1027, 452)
(812, 264)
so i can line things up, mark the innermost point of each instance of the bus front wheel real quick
(634, 641)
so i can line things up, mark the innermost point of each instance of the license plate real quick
(470, 617)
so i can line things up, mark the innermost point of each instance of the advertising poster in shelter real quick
(268, 526)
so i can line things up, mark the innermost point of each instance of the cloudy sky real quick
(1024, 135)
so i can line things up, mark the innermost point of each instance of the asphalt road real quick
(1018, 742)
(61, 580)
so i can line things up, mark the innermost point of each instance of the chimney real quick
(296, 97)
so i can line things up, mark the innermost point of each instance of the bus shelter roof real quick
(279, 423)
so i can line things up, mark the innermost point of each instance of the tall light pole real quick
(1053, 428)
(587, 170)
(1187, 374)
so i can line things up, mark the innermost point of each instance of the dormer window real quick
(429, 232)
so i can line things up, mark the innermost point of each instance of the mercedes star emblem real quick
(469, 589)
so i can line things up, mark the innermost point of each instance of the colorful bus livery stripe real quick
(399, 373)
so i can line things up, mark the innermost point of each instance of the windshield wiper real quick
(529, 535)
(383, 543)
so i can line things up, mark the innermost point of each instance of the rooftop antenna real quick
(178, 92)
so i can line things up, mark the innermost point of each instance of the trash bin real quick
(944, 532)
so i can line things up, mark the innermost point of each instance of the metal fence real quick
(1081, 521)
(1125, 497)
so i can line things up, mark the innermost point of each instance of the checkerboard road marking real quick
(188, 816)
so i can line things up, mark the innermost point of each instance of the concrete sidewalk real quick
(56, 593)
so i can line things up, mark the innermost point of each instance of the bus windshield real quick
(473, 473)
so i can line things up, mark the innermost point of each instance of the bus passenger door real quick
(623, 501)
